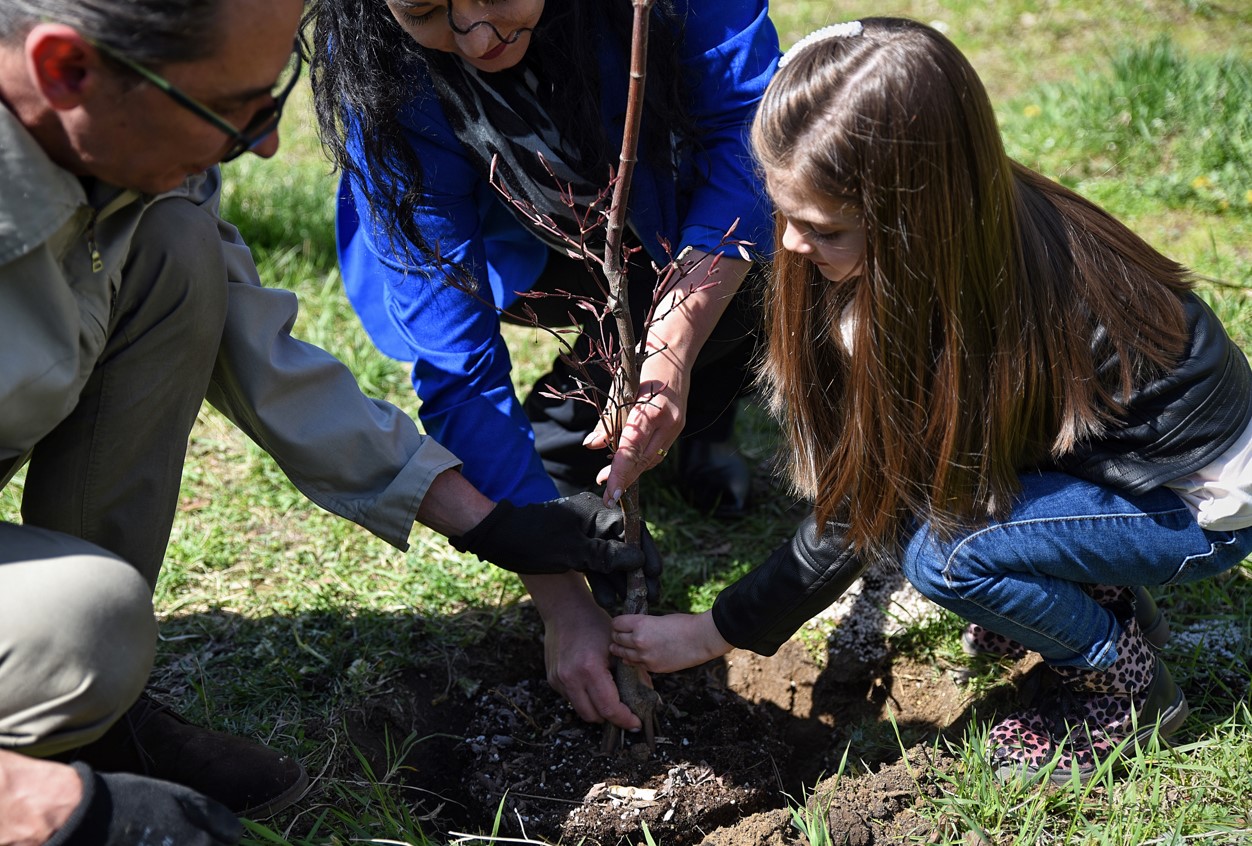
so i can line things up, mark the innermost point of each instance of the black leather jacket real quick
(1172, 427)
(1178, 423)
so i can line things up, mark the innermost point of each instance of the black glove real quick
(574, 533)
(119, 809)
(609, 589)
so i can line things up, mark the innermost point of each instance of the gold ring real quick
(661, 452)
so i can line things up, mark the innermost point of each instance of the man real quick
(125, 301)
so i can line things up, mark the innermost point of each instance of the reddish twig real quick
(621, 356)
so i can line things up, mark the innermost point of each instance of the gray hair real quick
(154, 32)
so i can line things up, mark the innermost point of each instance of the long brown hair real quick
(998, 322)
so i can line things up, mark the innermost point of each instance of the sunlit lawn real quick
(274, 613)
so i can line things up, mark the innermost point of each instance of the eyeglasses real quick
(262, 124)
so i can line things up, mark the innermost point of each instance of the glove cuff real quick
(476, 540)
(88, 820)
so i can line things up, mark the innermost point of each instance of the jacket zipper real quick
(93, 247)
(97, 262)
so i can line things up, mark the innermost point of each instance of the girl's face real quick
(490, 35)
(828, 231)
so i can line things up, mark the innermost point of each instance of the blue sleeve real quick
(461, 365)
(730, 53)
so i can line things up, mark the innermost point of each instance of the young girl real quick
(987, 379)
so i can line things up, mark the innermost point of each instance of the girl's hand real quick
(669, 643)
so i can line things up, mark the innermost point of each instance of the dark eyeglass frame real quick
(261, 125)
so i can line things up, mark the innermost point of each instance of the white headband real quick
(839, 30)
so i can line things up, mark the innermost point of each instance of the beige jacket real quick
(61, 255)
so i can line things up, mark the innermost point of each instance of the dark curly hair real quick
(363, 66)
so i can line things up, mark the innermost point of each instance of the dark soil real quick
(738, 737)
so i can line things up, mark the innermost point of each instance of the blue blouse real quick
(461, 364)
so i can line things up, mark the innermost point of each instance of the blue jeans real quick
(1021, 577)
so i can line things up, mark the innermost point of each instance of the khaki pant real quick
(77, 634)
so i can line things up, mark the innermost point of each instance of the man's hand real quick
(669, 643)
(36, 798)
(43, 803)
(576, 650)
(577, 533)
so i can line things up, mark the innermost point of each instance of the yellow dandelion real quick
(1223, 204)
(1032, 111)
(1247, 196)
(1201, 182)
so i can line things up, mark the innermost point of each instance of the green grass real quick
(1187, 792)
(277, 618)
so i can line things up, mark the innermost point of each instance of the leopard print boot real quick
(1091, 714)
(1152, 620)
(978, 640)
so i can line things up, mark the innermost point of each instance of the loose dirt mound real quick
(717, 761)
(738, 737)
(878, 808)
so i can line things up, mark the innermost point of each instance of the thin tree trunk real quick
(638, 696)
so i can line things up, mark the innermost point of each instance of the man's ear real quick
(63, 65)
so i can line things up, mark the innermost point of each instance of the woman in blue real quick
(417, 98)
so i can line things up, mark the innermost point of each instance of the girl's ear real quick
(62, 64)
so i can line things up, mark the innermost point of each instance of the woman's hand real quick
(669, 643)
(653, 424)
(686, 316)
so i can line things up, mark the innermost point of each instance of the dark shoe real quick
(977, 640)
(715, 477)
(1091, 716)
(247, 777)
